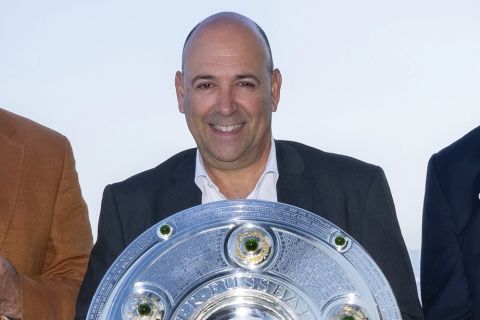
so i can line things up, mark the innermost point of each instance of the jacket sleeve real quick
(382, 238)
(52, 294)
(110, 243)
(445, 291)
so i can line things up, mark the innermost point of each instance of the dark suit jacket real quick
(352, 194)
(44, 227)
(450, 265)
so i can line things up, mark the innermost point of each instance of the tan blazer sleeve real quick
(52, 294)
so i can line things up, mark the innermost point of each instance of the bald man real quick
(227, 90)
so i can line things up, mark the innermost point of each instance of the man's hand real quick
(10, 292)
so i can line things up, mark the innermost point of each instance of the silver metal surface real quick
(244, 260)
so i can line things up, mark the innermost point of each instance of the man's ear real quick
(180, 89)
(276, 86)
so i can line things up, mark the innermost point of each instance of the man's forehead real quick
(217, 59)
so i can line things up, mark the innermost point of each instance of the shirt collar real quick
(203, 181)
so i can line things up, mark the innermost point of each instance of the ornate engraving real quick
(297, 266)
(241, 286)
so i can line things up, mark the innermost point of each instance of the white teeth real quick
(226, 128)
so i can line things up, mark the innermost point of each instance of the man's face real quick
(228, 95)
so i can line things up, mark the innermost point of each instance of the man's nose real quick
(226, 104)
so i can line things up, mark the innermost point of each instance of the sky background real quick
(387, 82)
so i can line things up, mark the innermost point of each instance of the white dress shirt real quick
(265, 189)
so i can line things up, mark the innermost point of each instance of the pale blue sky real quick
(386, 82)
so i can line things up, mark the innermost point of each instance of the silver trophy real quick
(244, 260)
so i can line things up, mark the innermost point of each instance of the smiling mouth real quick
(227, 129)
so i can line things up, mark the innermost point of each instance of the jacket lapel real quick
(182, 193)
(11, 161)
(294, 187)
(188, 194)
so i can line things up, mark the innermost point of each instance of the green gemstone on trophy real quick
(251, 244)
(341, 241)
(165, 229)
(144, 309)
(348, 318)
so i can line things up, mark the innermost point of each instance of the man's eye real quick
(246, 84)
(205, 86)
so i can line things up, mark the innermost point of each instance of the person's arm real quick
(445, 292)
(52, 294)
(383, 240)
(10, 292)
(110, 243)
